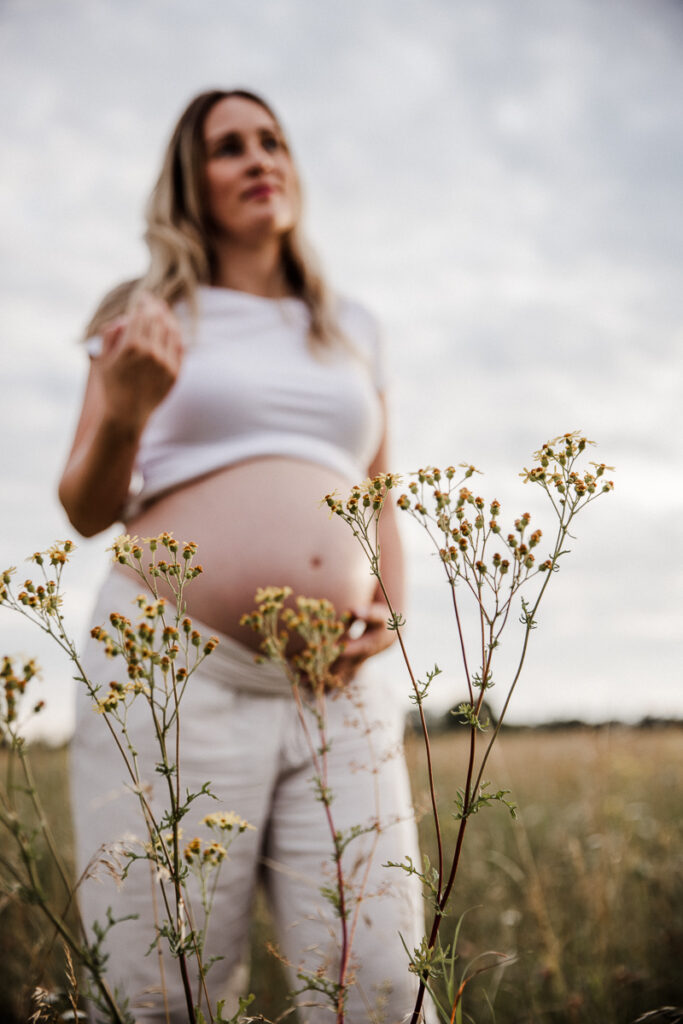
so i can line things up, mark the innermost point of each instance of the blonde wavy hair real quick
(179, 233)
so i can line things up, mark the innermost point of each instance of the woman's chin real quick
(263, 226)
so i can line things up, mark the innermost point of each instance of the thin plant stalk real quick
(462, 547)
(41, 604)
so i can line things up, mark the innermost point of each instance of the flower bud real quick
(192, 850)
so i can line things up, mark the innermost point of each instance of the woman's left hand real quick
(375, 638)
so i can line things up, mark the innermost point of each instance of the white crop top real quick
(249, 387)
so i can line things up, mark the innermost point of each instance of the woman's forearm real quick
(137, 367)
(95, 483)
(391, 550)
(391, 558)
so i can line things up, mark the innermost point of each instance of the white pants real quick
(241, 732)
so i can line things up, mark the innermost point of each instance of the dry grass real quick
(586, 888)
(30, 952)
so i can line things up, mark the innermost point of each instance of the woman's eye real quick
(229, 147)
(270, 143)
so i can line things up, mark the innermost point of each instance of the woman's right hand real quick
(140, 360)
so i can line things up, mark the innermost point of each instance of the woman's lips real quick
(259, 192)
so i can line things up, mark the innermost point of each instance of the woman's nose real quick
(260, 162)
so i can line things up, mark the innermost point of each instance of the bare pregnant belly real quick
(257, 524)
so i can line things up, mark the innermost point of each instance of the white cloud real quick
(502, 182)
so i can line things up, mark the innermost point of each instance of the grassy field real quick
(29, 953)
(585, 889)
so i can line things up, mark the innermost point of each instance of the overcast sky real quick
(500, 182)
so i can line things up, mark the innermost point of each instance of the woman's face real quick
(251, 185)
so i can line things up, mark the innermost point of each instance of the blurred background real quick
(500, 183)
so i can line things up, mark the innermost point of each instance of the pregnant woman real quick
(229, 391)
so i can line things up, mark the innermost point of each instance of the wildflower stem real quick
(461, 638)
(320, 765)
(82, 952)
(425, 733)
(46, 830)
(561, 536)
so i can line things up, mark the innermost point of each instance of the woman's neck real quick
(254, 269)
